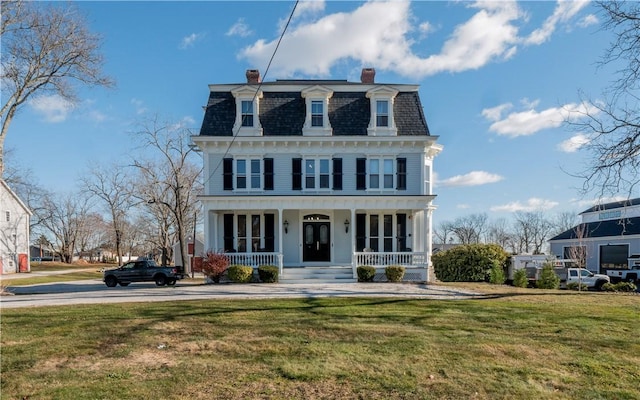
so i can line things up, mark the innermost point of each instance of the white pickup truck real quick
(627, 275)
(569, 275)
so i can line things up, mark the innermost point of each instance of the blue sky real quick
(496, 80)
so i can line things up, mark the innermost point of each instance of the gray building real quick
(608, 237)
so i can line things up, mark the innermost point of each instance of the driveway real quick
(95, 292)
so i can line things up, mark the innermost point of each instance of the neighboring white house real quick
(608, 236)
(14, 232)
(318, 173)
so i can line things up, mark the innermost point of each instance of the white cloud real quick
(533, 204)
(565, 10)
(240, 28)
(189, 41)
(491, 34)
(495, 113)
(52, 108)
(473, 178)
(530, 121)
(588, 21)
(573, 144)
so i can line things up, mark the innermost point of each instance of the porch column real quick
(213, 245)
(353, 241)
(280, 243)
(429, 236)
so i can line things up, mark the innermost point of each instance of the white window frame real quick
(381, 173)
(317, 174)
(247, 93)
(316, 94)
(248, 174)
(382, 93)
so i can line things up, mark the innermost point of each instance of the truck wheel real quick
(161, 280)
(599, 284)
(171, 282)
(111, 281)
(632, 278)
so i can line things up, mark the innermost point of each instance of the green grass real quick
(518, 343)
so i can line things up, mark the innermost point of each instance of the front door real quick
(316, 241)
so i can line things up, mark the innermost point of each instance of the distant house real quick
(318, 174)
(608, 236)
(14, 232)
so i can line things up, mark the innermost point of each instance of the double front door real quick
(317, 241)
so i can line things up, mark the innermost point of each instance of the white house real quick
(14, 232)
(318, 174)
(608, 237)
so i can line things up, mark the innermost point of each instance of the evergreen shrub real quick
(366, 273)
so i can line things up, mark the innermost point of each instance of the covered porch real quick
(309, 236)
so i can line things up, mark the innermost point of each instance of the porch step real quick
(334, 274)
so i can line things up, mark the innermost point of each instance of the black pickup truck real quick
(142, 271)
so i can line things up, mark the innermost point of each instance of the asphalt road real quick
(96, 292)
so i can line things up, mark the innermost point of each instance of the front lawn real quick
(524, 343)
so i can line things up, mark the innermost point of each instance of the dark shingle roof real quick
(220, 115)
(283, 114)
(614, 227)
(613, 205)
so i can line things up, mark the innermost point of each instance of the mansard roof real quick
(282, 109)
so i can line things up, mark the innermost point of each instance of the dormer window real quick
(247, 115)
(382, 113)
(317, 115)
(382, 122)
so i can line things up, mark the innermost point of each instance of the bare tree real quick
(444, 232)
(175, 174)
(499, 233)
(66, 219)
(111, 186)
(613, 125)
(532, 230)
(563, 221)
(46, 49)
(470, 229)
(92, 236)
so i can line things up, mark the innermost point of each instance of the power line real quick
(235, 134)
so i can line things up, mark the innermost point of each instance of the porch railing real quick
(383, 259)
(256, 259)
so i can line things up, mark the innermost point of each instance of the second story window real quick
(382, 113)
(248, 174)
(247, 113)
(317, 113)
(312, 173)
(381, 173)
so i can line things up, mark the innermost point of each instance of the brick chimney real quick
(253, 76)
(368, 75)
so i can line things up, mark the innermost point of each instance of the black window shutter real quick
(361, 225)
(228, 232)
(361, 174)
(227, 173)
(402, 174)
(269, 232)
(337, 174)
(296, 167)
(268, 174)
